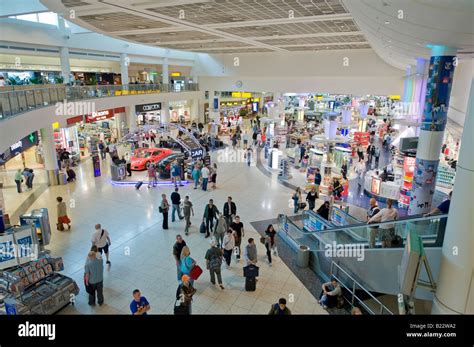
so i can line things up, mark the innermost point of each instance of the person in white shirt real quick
(205, 177)
(2, 81)
(228, 245)
(386, 231)
(101, 239)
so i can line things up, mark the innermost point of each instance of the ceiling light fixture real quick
(142, 27)
(99, 18)
(387, 22)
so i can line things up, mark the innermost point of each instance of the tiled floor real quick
(141, 251)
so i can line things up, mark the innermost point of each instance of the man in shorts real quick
(101, 239)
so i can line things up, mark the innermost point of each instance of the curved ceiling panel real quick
(400, 30)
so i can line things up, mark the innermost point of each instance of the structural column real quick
(49, 154)
(419, 89)
(455, 287)
(65, 66)
(124, 64)
(433, 123)
(165, 79)
(165, 111)
(131, 117)
(195, 109)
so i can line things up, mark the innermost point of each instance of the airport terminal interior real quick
(220, 157)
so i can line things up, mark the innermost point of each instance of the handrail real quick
(13, 102)
(397, 221)
(354, 281)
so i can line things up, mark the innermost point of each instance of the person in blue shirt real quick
(443, 208)
(139, 305)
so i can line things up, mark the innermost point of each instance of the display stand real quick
(36, 287)
(326, 174)
(445, 176)
(284, 173)
(362, 138)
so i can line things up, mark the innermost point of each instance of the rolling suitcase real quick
(250, 284)
(202, 229)
(251, 271)
(138, 185)
(180, 308)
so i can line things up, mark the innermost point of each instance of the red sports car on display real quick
(142, 157)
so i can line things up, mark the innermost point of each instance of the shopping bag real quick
(195, 272)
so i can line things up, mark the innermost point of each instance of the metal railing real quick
(17, 101)
(352, 287)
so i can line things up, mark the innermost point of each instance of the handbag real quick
(195, 272)
(88, 287)
(262, 239)
(160, 209)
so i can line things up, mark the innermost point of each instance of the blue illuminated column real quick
(433, 123)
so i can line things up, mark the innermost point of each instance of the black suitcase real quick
(251, 271)
(138, 185)
(250, 284)
(180, 308)
(202, 228)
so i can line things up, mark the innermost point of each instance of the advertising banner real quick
(424, 176)
(438, 92)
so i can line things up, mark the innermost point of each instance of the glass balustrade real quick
(431, 230)
(18, 99)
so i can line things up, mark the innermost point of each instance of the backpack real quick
(215, 263)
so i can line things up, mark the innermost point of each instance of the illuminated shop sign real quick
(99, 115)
(148, 107)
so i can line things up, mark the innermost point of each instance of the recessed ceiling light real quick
(327, 47)
(141, 27)
(99, 18)
(389, 41)
(387, 22)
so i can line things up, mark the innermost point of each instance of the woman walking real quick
(214, 176)
(228, 245)
(196, 175)
(270, 242)
(62, 215)
(297, 199)
(186, 263)
(164, 208)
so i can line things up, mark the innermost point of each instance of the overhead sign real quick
(241, 95)
(148, 107)
(18, 147)
(197, 153)
(99, 115)
(175, 74)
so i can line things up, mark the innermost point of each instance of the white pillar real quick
(65, 66)
(131, 117)
(432, 128)
(195, 116)
(165, 72)
(124, 64)
(49, 154)
(165, 111)
(455, 287)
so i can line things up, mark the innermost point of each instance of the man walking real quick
(229, 210)
(372, 211)
(205, 177)
(175, 202)
(238, 229)
(213, 263)
(187, 210)
(101, 239)
(177, 248)
(210, 213)
(94, 277)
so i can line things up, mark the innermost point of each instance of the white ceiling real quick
(400, 30)
(220, 26)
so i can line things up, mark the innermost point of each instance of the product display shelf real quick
(445, 176)
(36, 287)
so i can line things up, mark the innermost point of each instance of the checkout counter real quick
(383, 189)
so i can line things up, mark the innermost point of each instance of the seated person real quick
(71, 175)
(331, 290)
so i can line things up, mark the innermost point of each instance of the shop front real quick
(180, 112)
(148, 113)
(106, 125)
(24, 153)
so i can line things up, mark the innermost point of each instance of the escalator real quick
(347, 246)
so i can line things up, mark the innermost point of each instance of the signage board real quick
(197, 153)
(148, 107)
(7, 251)
(18, 147)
